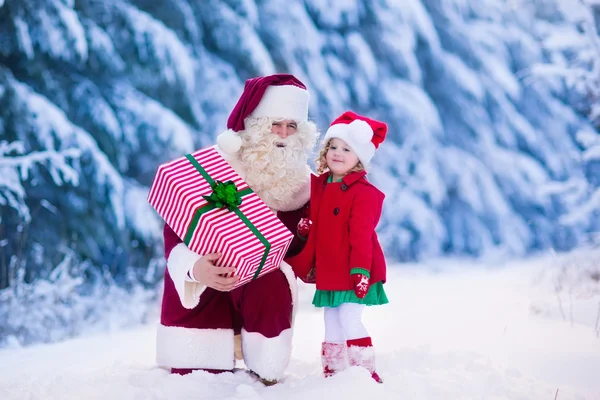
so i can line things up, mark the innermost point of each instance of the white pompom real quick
(229, 142)
(360, 131)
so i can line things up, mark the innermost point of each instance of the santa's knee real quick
(266, 305)
(271, 291)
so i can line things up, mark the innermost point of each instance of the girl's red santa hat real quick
(279, 96)
(362, 134)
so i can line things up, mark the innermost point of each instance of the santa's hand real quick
(304, 227)
(361, 285)
(206, 273)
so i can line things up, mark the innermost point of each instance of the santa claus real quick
(267, 142)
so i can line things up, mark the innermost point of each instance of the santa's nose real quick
(282, 131)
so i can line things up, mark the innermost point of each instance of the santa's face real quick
(284, 128)
(275, 157)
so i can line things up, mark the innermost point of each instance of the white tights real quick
(344, 323)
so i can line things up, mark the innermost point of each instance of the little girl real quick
(342, 253)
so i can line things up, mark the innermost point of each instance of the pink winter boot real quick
(333, 358)
(361, 353)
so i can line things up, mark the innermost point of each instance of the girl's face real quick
(340, 158)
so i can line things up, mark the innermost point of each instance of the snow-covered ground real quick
(452, 331)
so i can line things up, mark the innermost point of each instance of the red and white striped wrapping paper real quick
(177, 192)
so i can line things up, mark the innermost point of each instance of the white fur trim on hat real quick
(285, 102)
(357, 135)
(229, 141)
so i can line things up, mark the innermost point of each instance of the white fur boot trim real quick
(362, 356)
(333, 357)
(178, 347)
(268, 357)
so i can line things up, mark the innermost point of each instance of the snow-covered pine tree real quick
(15, 167)
(589, 84)
(577, 62)
(110, 80)
(133, 83)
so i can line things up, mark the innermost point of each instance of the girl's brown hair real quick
(322, 161)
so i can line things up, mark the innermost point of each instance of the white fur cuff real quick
(180, 261)
(291, 278)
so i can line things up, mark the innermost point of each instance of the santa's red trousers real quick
(260, 310)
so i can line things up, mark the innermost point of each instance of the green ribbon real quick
(224, 195)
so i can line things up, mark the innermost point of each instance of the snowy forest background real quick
(493, 148)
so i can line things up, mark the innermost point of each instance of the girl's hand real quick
(361, 285)
(304, 227)
(310, 278)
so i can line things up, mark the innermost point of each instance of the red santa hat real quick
(362, 134)
(279, 96)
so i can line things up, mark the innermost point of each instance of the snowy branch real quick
(581, 73)
(57, 163)
(15, 167)
(583, 212)
(64, 304)
(588, 139)
(575, 55)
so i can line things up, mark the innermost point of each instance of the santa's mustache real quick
(275, 141)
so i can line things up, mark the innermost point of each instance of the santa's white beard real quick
(275, 173)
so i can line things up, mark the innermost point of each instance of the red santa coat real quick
(344, 215)
(174, 313)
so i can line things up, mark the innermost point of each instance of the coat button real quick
(344, 187)
(336, 211)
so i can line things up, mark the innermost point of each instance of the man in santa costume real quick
(267, 142)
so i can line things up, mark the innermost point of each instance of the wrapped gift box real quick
(212, 209)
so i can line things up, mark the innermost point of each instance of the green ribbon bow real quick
(224, 195)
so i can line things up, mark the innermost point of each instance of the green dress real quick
(333, 298)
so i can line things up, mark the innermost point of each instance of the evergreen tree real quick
(95, 94)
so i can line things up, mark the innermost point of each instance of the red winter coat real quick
(342, 237)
